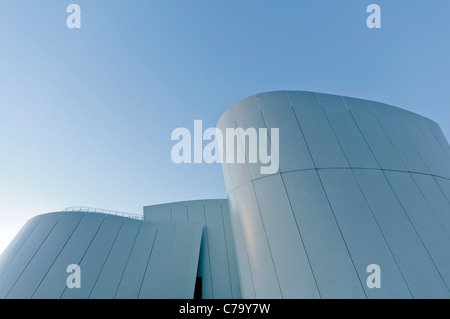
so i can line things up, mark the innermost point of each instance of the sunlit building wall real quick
(359, 183)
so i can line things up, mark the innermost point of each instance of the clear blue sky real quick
(86, 114)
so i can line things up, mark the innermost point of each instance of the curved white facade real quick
(119, 257)
(359, 183)
(161, 256)
(217, 261)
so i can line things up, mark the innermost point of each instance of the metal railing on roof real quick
(102, 211)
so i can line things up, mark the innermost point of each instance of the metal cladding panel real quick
(399, 138)
(376, 138)
(435, 198)
(360, 183)
(330, 260)
(17, 243)
(247, 115)
(242, 255)
(229, 241)
(416, 266)
(131, 281)
(356, 207)
(53, 284)
(158, 213)
(239, 172)
(265, 279)
(18, 264)
(355, 148)
(443, 145)
(182, 263)
(277, 112)
(227, 177)
(172, 265)
(424, 143)
(217, 262)
(118, 258)
(197, 214)
(179, 212)
(361, 232)
(40, 264)
(320, 138)
(428, 226)
(444, 185)
(109, 279)
(440, 154)
(423, 147)
(291, 261)
(94, 257)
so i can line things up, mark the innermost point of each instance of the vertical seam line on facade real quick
(437, 218)
(90, 243)
(328, 200)
(245, 249)
(209, 250)
(128, 259)
(332, 129)
(382, 233)
(415, 230)
(395, 193)
(226, 248)
(415, 146)
(365, 198)
(107, 256)
(282, 179)
(392, 143)
(269, 137)
(187, 211)
(435, 157)
(349, 167)
(342, 235)
(300, 128)
(442, 191)
(412, 141)
(292, 213)
(240, 221)
(148, 261)
(301, 238)
(428, 204)
(261, 218)
(32, 257)
(59, 253)
(203, 262)
(374, 115)
(444, 148)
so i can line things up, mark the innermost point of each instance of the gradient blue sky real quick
(86, 114)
